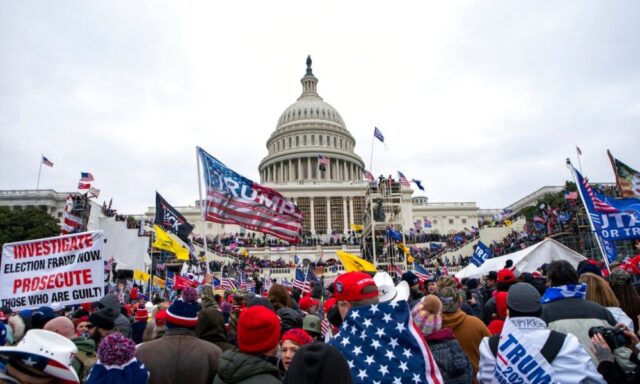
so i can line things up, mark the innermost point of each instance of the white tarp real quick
(128, 249)
(526, 260)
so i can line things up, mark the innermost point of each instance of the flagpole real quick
(579, 152)
(204, 234)
(593, 228)
(39, 171)
(373, 140)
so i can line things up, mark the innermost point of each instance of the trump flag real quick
(234, 199)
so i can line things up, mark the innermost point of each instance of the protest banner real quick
(63, 270)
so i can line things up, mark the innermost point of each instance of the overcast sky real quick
(482, 101)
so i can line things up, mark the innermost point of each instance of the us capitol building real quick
(332, 196)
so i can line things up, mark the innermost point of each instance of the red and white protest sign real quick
(61, 270)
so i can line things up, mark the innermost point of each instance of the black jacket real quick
(235, 367)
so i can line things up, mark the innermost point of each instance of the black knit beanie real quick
(104, 318)
(318, 363)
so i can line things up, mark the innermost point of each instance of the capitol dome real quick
(311, 142)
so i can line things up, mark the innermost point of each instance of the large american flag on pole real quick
(234, 199)
(382, 345)
(227, 283)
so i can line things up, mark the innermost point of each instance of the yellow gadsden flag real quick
(139, 275)
(353, 263)
(357, 227)
(158, 282)
(168, 242)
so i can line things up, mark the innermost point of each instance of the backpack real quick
(549, 350)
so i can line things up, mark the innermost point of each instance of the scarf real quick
(578, 291)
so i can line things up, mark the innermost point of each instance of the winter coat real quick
(576, 316)
(571, 365)
(469, 331)
(179, 357)
(211, 328)
(85, 358)
(621, 317)
(453, 363)
(137, 330)
(235, 367)
(123, 325)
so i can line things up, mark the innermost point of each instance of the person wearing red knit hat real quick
(290, 342)
(254, 362)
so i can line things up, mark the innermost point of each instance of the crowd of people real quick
(558, 324)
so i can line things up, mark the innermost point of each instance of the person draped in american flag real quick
(379, 340)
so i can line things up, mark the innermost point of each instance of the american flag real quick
(303, 280)
(323, 160)
(86, 176)
(403, 180)
(71, 223)
(93, 192)
(599, 205)
(421, 272)
(227, 283)
(324, 324)
(378, 134)
(47, 162)
(84, 185)
(246, 283)
(234, 199)
(382, 345)
(368, 175)
(392, 268)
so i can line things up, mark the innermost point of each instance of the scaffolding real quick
(383, 211)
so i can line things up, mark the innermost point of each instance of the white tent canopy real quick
(526, 260)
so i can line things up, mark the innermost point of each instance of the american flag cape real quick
(382, 345)
(234, 199)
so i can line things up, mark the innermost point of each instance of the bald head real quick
(62, 326)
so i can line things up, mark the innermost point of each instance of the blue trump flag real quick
(481, 253)
(613, 219)
(610, 250)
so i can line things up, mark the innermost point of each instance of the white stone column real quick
(345, 174)
(344, 215)
(308, 168)
(299, 169)
(290, 171)
(329, 229)
(351, 209)
(312, 216)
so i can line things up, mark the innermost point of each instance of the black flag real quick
(171, 220)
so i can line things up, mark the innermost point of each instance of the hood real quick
(211, 326)
(441, 335)
(453, 320)
(85, 345)
(235, 367)
(501, 305)
(110, 301)
(289, 318)
(18, 326)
